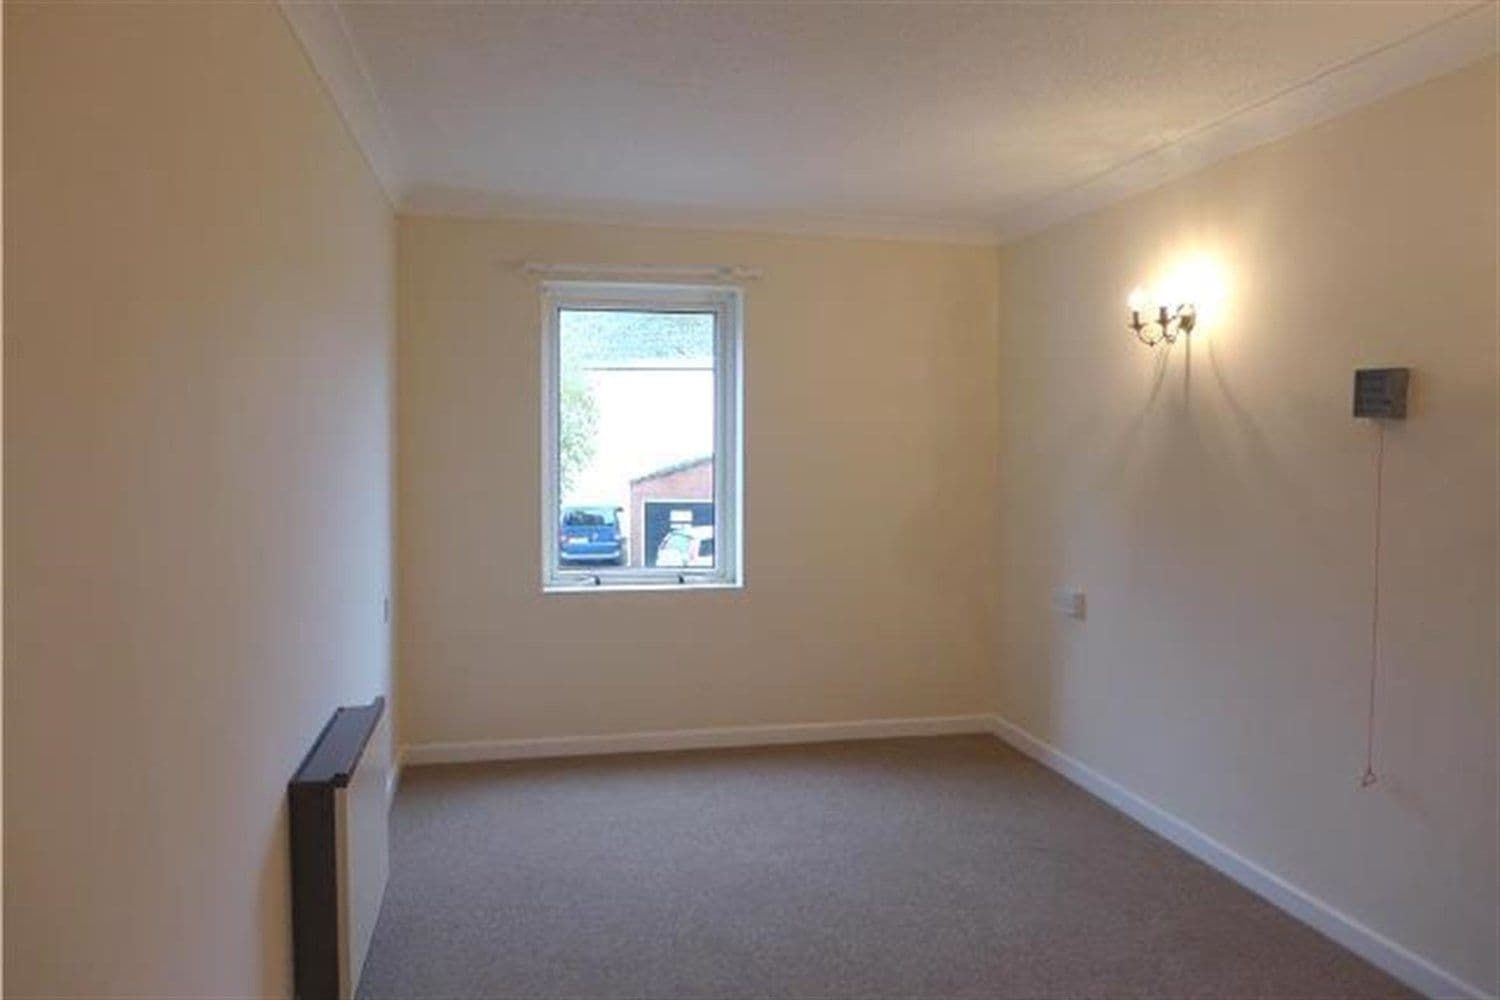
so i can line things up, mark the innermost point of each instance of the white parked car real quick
(687, 548)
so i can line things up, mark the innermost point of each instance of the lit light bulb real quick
(1137, 300)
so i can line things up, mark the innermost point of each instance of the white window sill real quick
(636, 587)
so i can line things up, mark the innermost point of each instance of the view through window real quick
(636, 404)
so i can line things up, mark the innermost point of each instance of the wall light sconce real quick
(1170, 322)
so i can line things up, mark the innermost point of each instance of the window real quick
(640, 435)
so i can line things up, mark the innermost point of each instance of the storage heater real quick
(339, 819)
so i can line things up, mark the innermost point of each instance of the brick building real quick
(691, 482)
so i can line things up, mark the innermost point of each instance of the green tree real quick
(579, 427)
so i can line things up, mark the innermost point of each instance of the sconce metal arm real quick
(1168, 325)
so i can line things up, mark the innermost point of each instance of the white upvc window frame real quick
(726, 302)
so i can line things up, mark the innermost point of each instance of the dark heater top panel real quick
(333, 758)
(1381, 392)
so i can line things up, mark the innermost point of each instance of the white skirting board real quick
(694, 739)
(1402, 963)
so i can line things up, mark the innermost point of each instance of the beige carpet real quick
(944, 867)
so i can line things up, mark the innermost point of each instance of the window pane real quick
(635, 439)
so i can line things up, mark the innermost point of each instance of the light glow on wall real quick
(1201, 280)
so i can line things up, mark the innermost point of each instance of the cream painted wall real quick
(199, 324)
(1215, 501)
(869, 475)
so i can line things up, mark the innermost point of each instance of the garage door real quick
(663, 515)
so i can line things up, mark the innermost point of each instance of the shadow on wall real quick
(275, 904)
(1171, 432)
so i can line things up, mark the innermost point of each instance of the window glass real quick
(635, 437)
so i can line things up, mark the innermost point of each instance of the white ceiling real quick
(973, 120)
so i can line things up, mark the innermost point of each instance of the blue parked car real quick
(590, 535)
